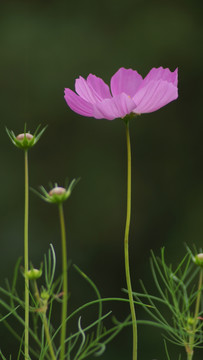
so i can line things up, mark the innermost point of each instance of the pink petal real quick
(162, 74)
(126, 81)
(77, 104)
(154, 95)
(116, 107)
(85, 91)
(99, 87)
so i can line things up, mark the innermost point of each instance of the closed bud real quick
(44, 295)
(25, 140)
(57, 194)
(22, 136)
(34, 274)
(198, 259)
(57, 191)
(190, 321)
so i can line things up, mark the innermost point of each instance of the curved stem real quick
(65, 282)
(126, 244)
(26, 345)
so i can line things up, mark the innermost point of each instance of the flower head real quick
(25, 140)
(130, 93)
(57, 194)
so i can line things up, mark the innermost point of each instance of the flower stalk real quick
(43, 307)
(26, 344)
(57, 195)
(25, 141)
(126, 244)
(190, 346)
(65, 281)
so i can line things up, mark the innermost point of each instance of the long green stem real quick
(197, 306)
(65, 282)
(126, 244)
(26, 344)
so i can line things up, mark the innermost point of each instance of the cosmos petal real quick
(77, 104)
(161, 74)
(85, 91)
(126, 81)
(154, 95)
(117, 107)
(99, 87)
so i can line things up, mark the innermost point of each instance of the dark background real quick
(44, 46)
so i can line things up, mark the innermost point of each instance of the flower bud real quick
(198, 259)
(34, 274)
(190, 321)
(57, 194)
(22, 136)
(25, 140)
(44, 295)
(57, 191)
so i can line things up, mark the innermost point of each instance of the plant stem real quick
(197, 306)
(65, 282)
(43, 306)
(26, 344)
(48, 337)
(126, 244)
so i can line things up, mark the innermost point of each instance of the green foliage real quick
(179, 292)
(87, 340)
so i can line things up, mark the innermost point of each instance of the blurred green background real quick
(44, 46)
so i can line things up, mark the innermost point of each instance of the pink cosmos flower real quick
(130, 93)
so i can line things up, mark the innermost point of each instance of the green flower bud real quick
(198, 259)
(190, 321)
(34, 274)
(44, 295)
